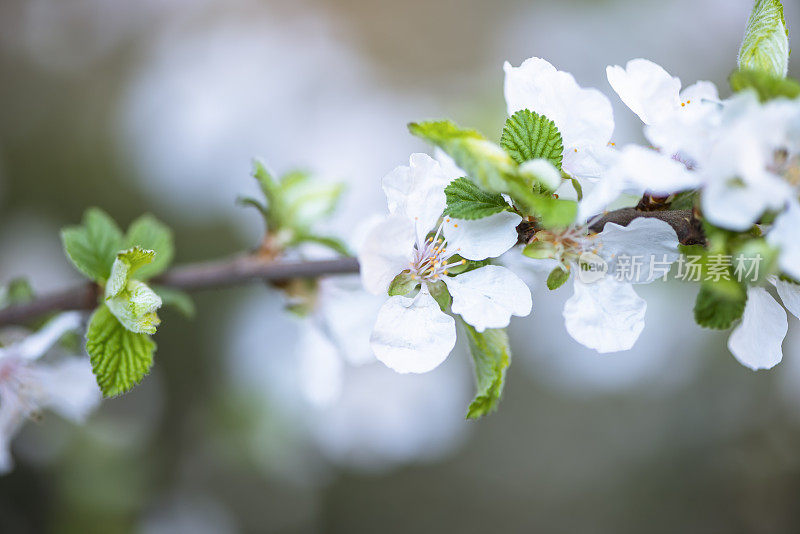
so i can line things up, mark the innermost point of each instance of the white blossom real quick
(27, 385)
(412, 333)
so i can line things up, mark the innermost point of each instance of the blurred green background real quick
(159, 105)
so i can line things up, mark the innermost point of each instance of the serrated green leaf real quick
(528, 135)
(465, 200)
(557, 278)
(766, 40)
(93, 246)
(177, 299)
(402, 284)
(120, 358)
(767, 86)
(491, 355)
(149, 233)
(716, 308)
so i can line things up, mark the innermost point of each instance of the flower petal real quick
(479, 239)
(757, 341)
(68, 387)
(489, 296)
(652, 243)
(385, 252)
(37, 344)
(790, 295)
(784, 236)
(583, 116)
(321, 369)
(417, 192)
(413, 335)
(646, 88)
(606, 315)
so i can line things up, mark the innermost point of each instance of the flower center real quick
(431, 258)
(568, 244)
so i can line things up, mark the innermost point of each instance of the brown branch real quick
(251, 268)
(194, 277)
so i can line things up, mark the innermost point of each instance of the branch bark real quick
(194, 277)
(252, 268)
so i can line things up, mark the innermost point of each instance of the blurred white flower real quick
(413, 335)
(583, 116)
(606, 314)
(28, 385)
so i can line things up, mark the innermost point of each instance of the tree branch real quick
(251, 268)
(194, 277)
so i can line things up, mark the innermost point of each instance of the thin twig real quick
(194, 277)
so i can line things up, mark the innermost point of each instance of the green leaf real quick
(177, 299)
(491, 355)
(540, 250)
(120, 358)
(557, 278)
(125, 265)
(767, 86)
(17, 291)
(716, 308)
(149, 233)
(528, 135)
(333, 243)
(402, 284)
(766, 40)
(487, 164)
(465, 200)
(93, 246)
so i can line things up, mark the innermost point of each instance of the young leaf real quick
(718, 309)
(768, 86)
(17, 291)
(93, 246)
(132, 302)
(465, 200)
(176, 298)
(491, 355)
(528, 135)
(766, 40)
(557, 278)
(149, 233)
(120, 358)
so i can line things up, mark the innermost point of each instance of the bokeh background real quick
(159, 106)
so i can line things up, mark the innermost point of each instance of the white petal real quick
(606, 315)
(650, 242)
(790, 295)
(583, 116)
(653, 172)
(12, 415)
(413, 335)
(784, 236)
(37, 344)
(646, 88)
(489, 296)
(69, 388)
(417, 192)
(479, 239)
(348, 313)
(385, 252)
(597, 197)
(448, 164)
(756, 342)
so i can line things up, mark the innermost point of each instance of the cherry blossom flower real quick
(605, 313)
(413, 334)
(28, 385)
